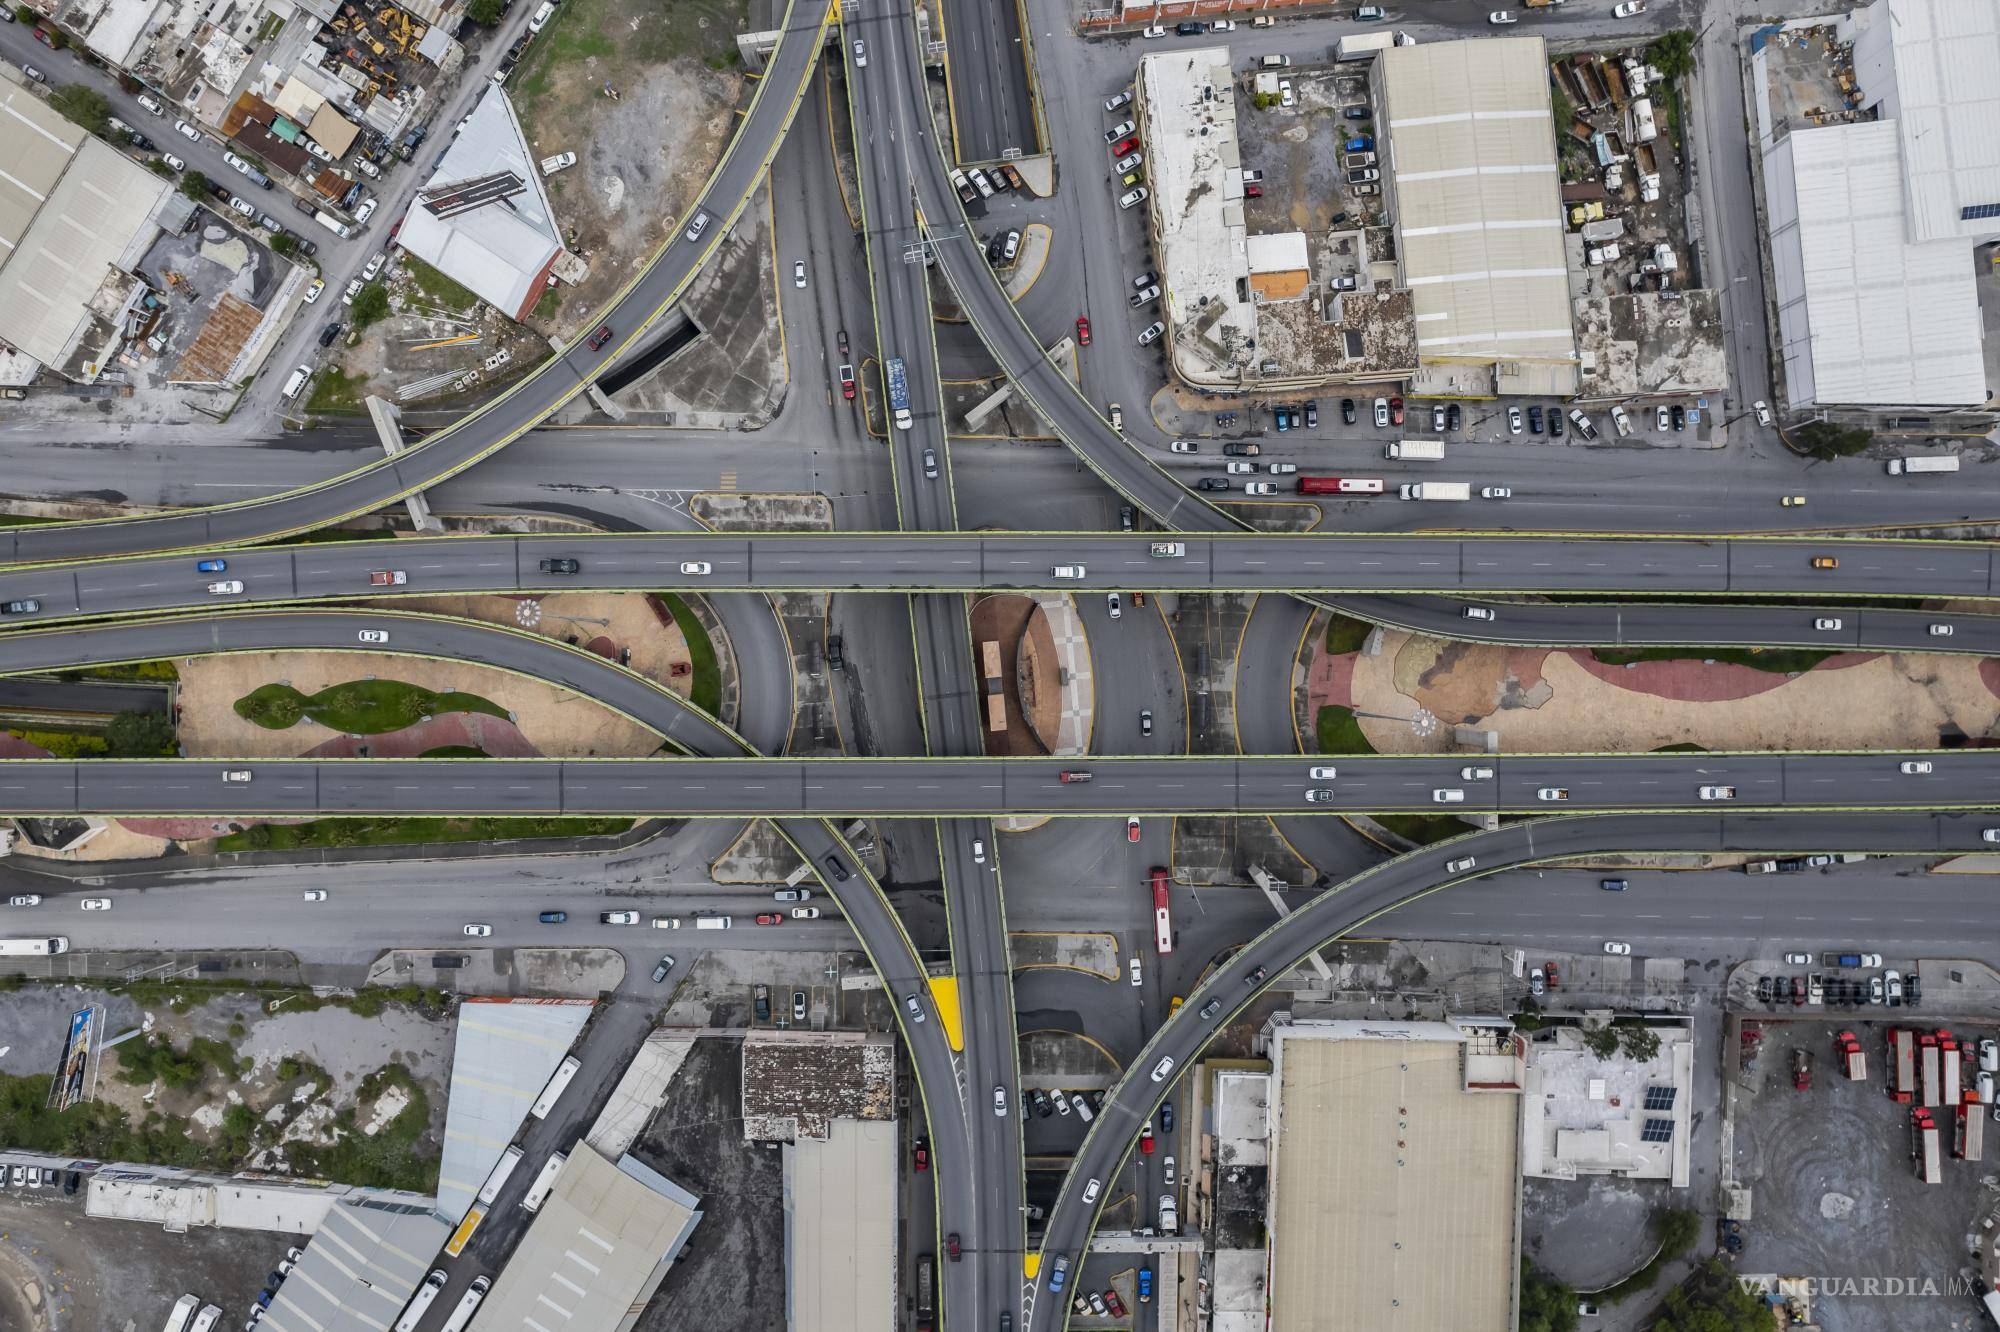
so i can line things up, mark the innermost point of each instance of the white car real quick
(1281, 469)
(799, 274)
(312, 292)
(1381, 413)
(1161, 1069)
(1496, 492)
(1114, 606)
(1128, 162)
(860, 54)
(1557, 793)
(242, 206)
(1121, 100)
(353, 290)
(313, 895)
(1137, 978)
(1915, 768)
(1459, 866)
(479, 931)
(96, 904)
(1476, 613)
(188, 130)
(621, 918)
(25, 900)
(236, 775)
(1499, 16)
(1155, 31)
(374, 635)
(174, 162)
(1940, 631)
(1151, 333)
(1629, 9)
(1000, 1102)
(1798, 959)
(1183, 446)
(374, 267)
(700, 568)
(1617, 949)
(1717, 792)
(1239, 468)
(366, 211)
(228, 587)
(1763, 410)
(805, 913)
(1222, 25)
(1475, 774)
(1259, 488)
(1448, 795)
(1132, 198)
(1322, 774)
(1285, 97)
(1826, 625)
(1513, 420)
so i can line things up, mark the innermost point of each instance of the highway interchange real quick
(978, 1156)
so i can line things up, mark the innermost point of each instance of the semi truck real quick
(1969, 1139)
(1436, 490)
(899, 392)
(1363, 46)
(1852, 1061)
(1942, 463)
(1415, 450)
(1931, 1065)
(1902, 1065)
(1924, 1147)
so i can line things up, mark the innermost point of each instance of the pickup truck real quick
(388, 578)
(1168, 550)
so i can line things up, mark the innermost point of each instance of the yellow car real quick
(1825, 562)
(1794, 501)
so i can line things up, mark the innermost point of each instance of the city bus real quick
(1163, 921)
(467, 1303)
(498, 1179)
(538, 1192)
(33, 947)
(182, 1314)
(1339, 485)
(463, 1235)
(557, 1084)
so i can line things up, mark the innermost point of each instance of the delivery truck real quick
(1415, 450)
(1437, 490)
(1942, 463)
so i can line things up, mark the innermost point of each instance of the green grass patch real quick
(164, 671)
(394, 1158)
(1778, 661)
(438, 289)
(343, 534)
(25, 520)
(1345, 635)
(455, 751)
(620, 35)
(706, 692)
(65, 744)
(152, 1058)
(1423, 829)
(546, 307)
(337, 393)
(358, 707)
(1338, 733)
(335, 833)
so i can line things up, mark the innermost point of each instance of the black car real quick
(1680, 417)
(1040, 1100)
(1357, 113)
(305, 247)
(560, 566)
(837, 868)
(1166, 1116)
(329, 333)
(840, 336)
(836, 655)
(1555, 423)
(1127, 517)
(994, 248)
(27, 606)
(1190, 29)
(1239, 449)
(70, 1182)
(1257, 976)
(553, 917)
(1347, 410)
(600, 337)
(1452, 417)
(660, 972)
(1535, 420)
(1312, 414)
(1212, 483)
(303, 206)
(1913, 990)
(1764, 988)
(139, 140)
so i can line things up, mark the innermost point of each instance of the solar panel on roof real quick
(1657, 1130)
(1661, 1098)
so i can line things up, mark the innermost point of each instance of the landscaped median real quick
(358, 707)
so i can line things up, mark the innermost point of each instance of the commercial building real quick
(1394, 1175)
(1872, 220)
(76, 217)
(596, 1252)
(503, 1054)
(1619, 1115)
(1466, 133)
(483, 218)
(362, 1266)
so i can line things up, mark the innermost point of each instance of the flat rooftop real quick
(1394, 1189)
(840, 1221)
(797, 1084)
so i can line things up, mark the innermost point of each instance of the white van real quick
(1069, 571)
(542, 16)
(714, 923)
(296, 381)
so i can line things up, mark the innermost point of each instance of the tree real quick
(1673, 53)
(196, 186)
(1547, 1305)
(484, 12)
(1638, 1042)
(158, 166)
(371, 304)
(58, 39)
(1713, 1300)
(1824, 439)
(23, 14)
(141, 735)
(1601, 1041)
(284, 243)
(84, 106)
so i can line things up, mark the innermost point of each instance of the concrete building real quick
(76, 217)
(1584, 1115)
(483, 218)
(1872, 222)
(1394, 1175)
(1467, 138)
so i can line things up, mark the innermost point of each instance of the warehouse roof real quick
(1393, 1187)
(504, 1052)
(1885, 320)
(840, 1215)
(1471, 144)
(1933, 67)
(362, 1266)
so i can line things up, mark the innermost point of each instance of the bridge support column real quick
(1271, 886)
(388, 419)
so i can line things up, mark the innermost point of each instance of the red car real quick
(1125, 145)
(1395, 411)
(1554, 979)
(1113, 1303)
(847, 382)
(1253, 191)
(1082, 331)
(922, 1155)
(770, 918)
(1132, 829)
(600, 337)
(951, 1246)
(1146, 1143)
(44, 38)
(398, 226)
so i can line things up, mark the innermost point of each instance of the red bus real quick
(1163, 921)
(1339, 485)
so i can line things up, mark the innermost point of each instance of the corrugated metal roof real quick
(1470, 145)
(1886, 320)
(1946, 105)
(840, 1219)
(503, 1054)
(362, 1266)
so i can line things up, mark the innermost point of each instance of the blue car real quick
(1361, 143)
(553, 917)
(1284, 422)
(1166, 1116)
(1145, 1284)
(211, 566)
(1058, 1276)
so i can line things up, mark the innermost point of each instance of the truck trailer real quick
(1969, 1138)
(1924, 1147)
(1942, 463)
(1437, 490)
(1902, 1065)
(1415, 450)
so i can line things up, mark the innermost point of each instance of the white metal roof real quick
(504, 1053)
(1470, 144)
(360, 1269)
(501, 250)
(840, 1221)
(1934, 68)
(1867, 316)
